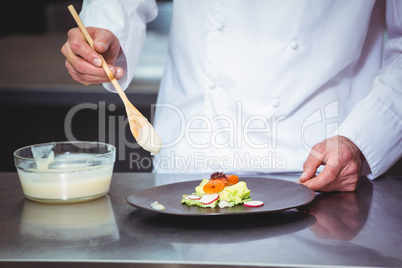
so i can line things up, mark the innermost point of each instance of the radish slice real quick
(223, 204)
(193, 197)
(253, 203)
(209, 198)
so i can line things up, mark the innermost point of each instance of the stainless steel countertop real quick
(360, 229)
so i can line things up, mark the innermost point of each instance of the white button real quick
(220, 27)
(275, 103)
(211, 84)
(294, 45)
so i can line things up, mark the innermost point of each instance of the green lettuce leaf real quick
(235, 193)
(190, 202)
(199, 190)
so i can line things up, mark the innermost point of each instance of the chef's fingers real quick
(80, 65)
(105, 41)
(92, 77)
(84, 78)
(334, 178)
(323, 181)
(313, 162)
(79, 46)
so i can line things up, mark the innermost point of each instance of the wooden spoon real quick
(142, 130)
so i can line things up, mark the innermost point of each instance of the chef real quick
(262, 86)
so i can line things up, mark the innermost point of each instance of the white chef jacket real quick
(253, 85)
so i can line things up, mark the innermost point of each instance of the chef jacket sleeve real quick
(127, 20)
(375, 123)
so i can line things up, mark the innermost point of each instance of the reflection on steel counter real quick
(229, 229)
(69, 225)
(348, 214)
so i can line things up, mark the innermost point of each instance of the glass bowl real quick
(65, 172)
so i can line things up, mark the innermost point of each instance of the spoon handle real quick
(105, 66)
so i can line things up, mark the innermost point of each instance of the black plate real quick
(277, 195)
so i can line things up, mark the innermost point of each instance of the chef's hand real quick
(83, 63)
(343, 164)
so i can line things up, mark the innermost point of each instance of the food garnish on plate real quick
(220, 190)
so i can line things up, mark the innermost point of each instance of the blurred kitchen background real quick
(38, 97)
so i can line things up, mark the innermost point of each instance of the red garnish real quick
(219, 181)
(218, 176)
